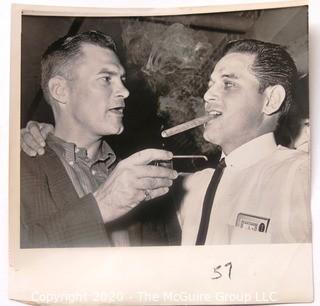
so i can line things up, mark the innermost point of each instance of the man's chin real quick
(208, 137)
(116, 130)
(120, 131)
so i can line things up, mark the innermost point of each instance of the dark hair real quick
(272, 66)
(60, 55)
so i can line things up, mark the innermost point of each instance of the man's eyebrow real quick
(111, 71)
(230, 76)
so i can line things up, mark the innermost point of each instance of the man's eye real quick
(107, 79)
(228, 84)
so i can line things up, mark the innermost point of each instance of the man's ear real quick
(58, 89)
(275, 96)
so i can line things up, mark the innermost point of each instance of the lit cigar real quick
(186, 126)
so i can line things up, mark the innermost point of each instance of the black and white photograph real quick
(183, 130)
(142, 108)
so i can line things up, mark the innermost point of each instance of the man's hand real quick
(134, 181)
(33, 137)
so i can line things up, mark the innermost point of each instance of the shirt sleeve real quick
(300, 212)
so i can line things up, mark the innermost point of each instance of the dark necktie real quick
(208, 202)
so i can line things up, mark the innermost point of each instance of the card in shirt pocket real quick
(249, 229)
(252, 223)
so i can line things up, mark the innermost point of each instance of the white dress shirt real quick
(262, 183)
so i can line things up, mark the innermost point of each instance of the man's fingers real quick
(154, 171)
(155, 193)
(146, 195)
(28, 142)
(39, 131)
(34, 130)
(152, 183)
(28, 150)
(144, 157)
(46, 129)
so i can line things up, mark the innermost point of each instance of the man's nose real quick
(211, 95)
(123, 91)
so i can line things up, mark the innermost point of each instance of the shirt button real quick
(77, 150)
(71, 163)
(93, 172)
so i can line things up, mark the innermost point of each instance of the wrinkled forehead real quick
(235, 63)
(95, 56)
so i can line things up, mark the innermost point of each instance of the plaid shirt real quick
(88, 174)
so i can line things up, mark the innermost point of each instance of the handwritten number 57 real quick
(217, 269)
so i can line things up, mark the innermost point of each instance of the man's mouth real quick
(215, 113)
(117, 110)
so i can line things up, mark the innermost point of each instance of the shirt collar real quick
(71, 152)
(251, 152)
(105, 152)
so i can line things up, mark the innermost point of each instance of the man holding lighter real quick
(73, 194)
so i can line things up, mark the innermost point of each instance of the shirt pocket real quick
(239, 235)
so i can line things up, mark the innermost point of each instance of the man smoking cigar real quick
(259, 193)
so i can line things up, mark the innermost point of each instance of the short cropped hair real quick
(272, 66)
(60, 55)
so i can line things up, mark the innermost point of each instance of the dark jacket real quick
(52, 214)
